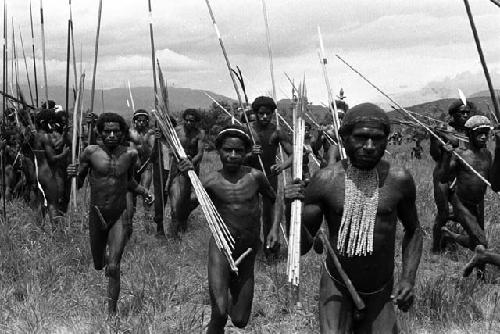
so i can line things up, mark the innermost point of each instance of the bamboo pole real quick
(44, 62)
(481, 59)
(34, 58)
(92, 91)
(131, 97)
(293, 263)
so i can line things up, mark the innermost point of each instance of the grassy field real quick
(48, 284)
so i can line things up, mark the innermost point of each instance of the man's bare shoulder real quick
(91, 149)
(328, 174)
(401, 179)
(132, 151)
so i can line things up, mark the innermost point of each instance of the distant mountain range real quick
(115, 99)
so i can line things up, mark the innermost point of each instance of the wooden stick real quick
(44, 62)
(26, 67)
(242, 256)
(496, 2)
(358, 302)
(481, 59)
(234, 120)
(34, 58)
(102, 99)
(92, 91)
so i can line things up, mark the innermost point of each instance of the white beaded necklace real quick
(355, 236)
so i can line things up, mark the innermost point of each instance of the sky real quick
(401, 45)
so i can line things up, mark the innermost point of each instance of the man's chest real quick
(112, 165)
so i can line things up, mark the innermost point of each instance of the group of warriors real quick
(360, 198)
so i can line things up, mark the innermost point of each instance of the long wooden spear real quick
(34, 58)
(92, 91)
(68, 56)
(416, 120)
(155, 87)
(278, 126)
(4, 83)
(76, 130)
(481, 58)
(44, 55)
(331, 100)
(26, 66)
(75, 74)
(233, 79)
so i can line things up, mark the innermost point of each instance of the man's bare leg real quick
(179, 194)
(218, 283)
(336, 311)
(242, 288)
(117, 239)
(441, 200)
(480, 258)
(470, 223)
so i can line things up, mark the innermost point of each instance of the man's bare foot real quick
(476, 260)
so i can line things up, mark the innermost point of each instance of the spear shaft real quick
(481, 59)
(68, 54)
(228, 64)
(92, 92)
(233, 79)
(4, 83)
(73, 44)
(34, 58)
(159, 166)
(26, 66)
(44, 62)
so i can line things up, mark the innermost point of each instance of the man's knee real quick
(113, 270)
(240, 321)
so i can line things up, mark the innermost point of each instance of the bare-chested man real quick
(110, 167)
(235, 191)
(142, 139)
(58, 151)
(367, 194)
(454, 135)
(467, 195)
(267, 140)
(179, 188)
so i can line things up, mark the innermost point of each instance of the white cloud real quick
(401, 45)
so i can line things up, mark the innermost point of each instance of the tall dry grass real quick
(48, 284)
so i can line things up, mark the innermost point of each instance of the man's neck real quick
(111, 150)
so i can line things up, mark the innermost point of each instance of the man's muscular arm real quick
(268, 193)
(201, 149)
(412, 241)
(81, 170)
(280, 138)
(495, 167)
(51, 155)
(312, 213)
(446, 165)
(133, 186)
